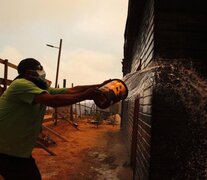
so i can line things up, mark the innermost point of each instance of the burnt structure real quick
(164, 118)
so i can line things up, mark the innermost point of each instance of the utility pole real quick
(57, 71)
(58, 63)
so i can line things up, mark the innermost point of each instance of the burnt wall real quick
(165, 121)
(139, 37)
(127, 123)
(135, 14)
(180, 31)
(144, 44)
(136, 121)
(136, 116)
(143, 155)
(164, 117)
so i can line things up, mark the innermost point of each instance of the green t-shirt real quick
(21, 118)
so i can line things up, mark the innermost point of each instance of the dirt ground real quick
(91, 153)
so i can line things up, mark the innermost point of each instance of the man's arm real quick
(65, 99)
(78, 89)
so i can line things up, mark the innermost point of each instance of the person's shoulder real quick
(21, 82)
(22, 85)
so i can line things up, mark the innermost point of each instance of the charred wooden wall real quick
(127, 125)
(136, 115)
(142, 166)
(136, 124)
(180, 31)
(135, 12)
(151, 122)
(143, 48)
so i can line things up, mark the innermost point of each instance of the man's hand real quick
(105, 82)
(93, 93)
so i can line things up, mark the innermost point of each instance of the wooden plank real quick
(54, 132)
(40, 145)
(9, 64)
(145, 126)
(145, 136)
(12, 65)
(1, 61)
(145, 117)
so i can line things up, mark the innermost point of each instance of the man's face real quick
(37, 76)
(38, 72)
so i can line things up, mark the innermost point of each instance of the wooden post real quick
(76, 114)
(58, 64)
(64, 83)
(55, 116)
(80, 109)
(71, 110)
(85, 108)
(5, 74)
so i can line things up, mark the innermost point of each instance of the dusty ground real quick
(91, 154)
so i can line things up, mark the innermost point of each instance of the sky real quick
(92, 33)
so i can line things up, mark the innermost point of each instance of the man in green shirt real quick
(22, 108)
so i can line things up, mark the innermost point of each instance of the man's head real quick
(30, 66)
(32, 70)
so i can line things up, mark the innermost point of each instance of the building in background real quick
(164, 118)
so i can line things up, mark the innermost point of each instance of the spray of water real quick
(187, 87)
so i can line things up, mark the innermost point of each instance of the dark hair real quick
(28, 64)
(31, 64)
